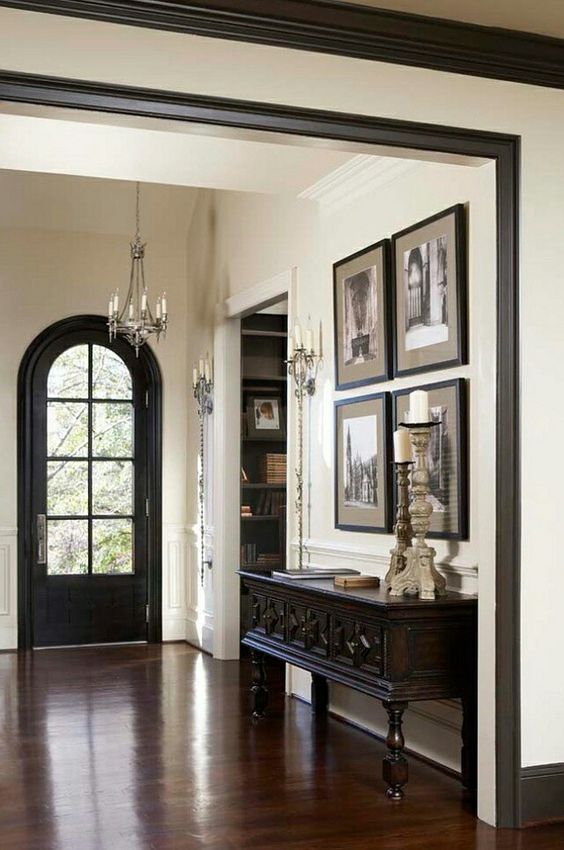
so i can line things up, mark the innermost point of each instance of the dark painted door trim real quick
(152, 376)
(339, 28)
(505, 150)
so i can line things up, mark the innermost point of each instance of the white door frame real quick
(227, 448)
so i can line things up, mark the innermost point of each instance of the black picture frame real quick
(383, 402)
(459, 386)
(267, 434)
(443, 354)
(381, 252)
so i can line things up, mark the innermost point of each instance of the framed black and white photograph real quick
(361, 316)
(447, 456)
(265, 420)
(361, 464)
(430, 309)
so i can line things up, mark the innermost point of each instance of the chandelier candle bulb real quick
(201, 367)
(418, 407)
(207, 371)
(402, 446)
(298, 336)
(194, 376)
(131, 309)
(116, 302)
(159, 308)
(164, 307)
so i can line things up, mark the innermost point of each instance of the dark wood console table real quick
(397, 650)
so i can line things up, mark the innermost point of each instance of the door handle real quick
(41, 539)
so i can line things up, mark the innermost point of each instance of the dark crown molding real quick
(339, 28)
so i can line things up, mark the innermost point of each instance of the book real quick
(314, 573)
(357, 581)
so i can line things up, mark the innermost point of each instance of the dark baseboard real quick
(542, 793)
(340, 28)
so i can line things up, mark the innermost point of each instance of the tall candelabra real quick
(420, 574)
(303, 363)
(202, 386)
(402, 529)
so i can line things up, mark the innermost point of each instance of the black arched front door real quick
(86, 543)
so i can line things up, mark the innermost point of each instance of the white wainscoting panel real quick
(175, 542)
(8, 588)
(431, 728)
(200, 615)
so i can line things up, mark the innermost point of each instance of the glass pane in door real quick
(67, 547)
(112, 546)
(68, 376)
(67, 488)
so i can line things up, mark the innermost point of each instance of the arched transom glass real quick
(90, 463)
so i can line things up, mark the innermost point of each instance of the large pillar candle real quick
(418, 407)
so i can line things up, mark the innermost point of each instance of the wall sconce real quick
(202, 386)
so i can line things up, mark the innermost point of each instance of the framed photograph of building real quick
(362, 317)
(447, 456)
(265, 420)
(362, 489)
(429, 294)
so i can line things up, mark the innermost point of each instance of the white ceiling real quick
(546, 17)
(120, 152)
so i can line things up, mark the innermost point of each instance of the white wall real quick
(254, 238)
(74, 48)
(46, 275)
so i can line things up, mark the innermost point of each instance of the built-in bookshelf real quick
(263, 445)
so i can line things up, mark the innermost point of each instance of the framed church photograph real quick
(447, 455)
(362, 317)
(361, 464)
(429, 293)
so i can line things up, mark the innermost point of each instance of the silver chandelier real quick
(135, 321)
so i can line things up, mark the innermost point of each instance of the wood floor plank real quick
(152, 748)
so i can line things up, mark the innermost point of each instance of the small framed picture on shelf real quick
(447, 456)
(362, 489)
(265, 418)
(430, 307)
(361, 317)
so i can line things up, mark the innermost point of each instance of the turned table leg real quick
(259, 691)
(319, 695)
(395, 764)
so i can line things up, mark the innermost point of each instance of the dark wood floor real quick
(152, 747)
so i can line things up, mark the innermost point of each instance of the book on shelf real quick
(261, 502)
(248, 554)
(273, 468)
(246, 510)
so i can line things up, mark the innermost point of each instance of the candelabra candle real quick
(402, 528)
(302, 366)
(203, 389)
(420, 574)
